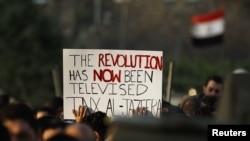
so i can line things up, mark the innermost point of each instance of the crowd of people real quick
(21, 122)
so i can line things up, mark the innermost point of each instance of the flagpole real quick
(57, 81)
(170, 74)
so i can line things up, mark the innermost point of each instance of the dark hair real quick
(49, 122)
(4, 99)
(18, 111)
(4, 133)
(56, 103)
(62, 137)
(210, 101)
(97, 121)
(205, 111)
(171, 109)
(194, 99)
(49, 110)
(216, 78)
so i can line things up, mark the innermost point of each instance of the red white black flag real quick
(208, 28)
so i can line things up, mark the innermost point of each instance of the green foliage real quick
(30, 46)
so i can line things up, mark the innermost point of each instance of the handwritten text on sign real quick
(112, 81)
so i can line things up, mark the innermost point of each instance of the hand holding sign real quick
(139, 111)
(80, 114)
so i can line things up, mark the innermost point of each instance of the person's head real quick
(62, 137)
(19, 120)
(204, 112)
(80, 131)
(99, 122)
(190, 104)
(51, 132)
(168, 109)
(49, 126)
(44, 111)
(57, 104)
(213, 86)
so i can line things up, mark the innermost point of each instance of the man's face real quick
(212, 89)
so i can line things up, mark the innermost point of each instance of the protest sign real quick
(112, 81)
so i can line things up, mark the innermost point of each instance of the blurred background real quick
(34, 32)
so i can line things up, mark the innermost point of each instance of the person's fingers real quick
(134, 112)
(141, 111)
(145, 111)
(79, 110)
(143, 108)
(74, 112)
(84, 111)
(137, 109)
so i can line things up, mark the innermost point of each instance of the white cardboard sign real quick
(112, 81)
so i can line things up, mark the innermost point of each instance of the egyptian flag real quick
(208, 28)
